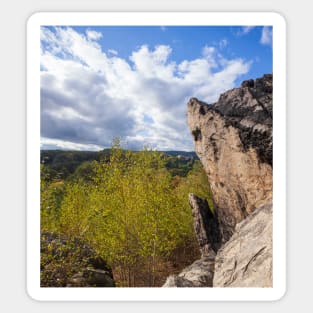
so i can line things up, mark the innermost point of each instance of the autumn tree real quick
(130, 209)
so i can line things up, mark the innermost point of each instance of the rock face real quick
(69, 262)
(246, 259)
(233, 139)
(198, 274)
(201, 272)
(206, 226)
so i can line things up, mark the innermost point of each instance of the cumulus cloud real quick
(48, 143)
(266, 37)
(89, 97)
(93, 35)
(113, 52)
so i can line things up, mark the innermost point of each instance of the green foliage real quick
(62, 257)
(179, 165)
(75, 213)
(51, 197)
(59, 164)
(196, 182)
(130, 209)
(63, 164)
(85, 171)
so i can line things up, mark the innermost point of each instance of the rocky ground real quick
(69, 262)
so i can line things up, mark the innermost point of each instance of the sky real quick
(134, 82)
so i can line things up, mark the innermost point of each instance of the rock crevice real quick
(206, 226)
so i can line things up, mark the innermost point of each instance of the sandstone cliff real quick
(246, 259)
(233, 139)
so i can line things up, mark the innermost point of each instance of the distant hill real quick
(63, 163)
(190, 154)
(59, 156)
(73, 156)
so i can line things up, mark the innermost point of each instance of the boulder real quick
(91, 277)
(246, 259)
(198, 274)
(69, 262)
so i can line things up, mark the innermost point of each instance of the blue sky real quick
(100, 83)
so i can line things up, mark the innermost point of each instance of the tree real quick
(51, 197)
(141, 220)
(130, 209)
(75, 212)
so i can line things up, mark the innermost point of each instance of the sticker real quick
(127, 114)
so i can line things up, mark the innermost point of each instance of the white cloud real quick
(223, 43)
(247, 29)
(266, 37)
(93, 35)
(66, 113)
(208, 52)
(153, 64)
(46, 143)
(113, 52)
(89, 97)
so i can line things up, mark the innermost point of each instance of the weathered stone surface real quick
(90, 277)
(205, 225)
(176, 281)
(246, 259)
(67, 262)
(233, 139)
(243, 261)
(198, 274)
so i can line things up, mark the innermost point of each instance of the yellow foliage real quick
(132, 212)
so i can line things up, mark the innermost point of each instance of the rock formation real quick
(246, 259)
(206, 226)
(198, 274)
(233, 139)
(69, 262)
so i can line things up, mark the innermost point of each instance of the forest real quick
(131, 207)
